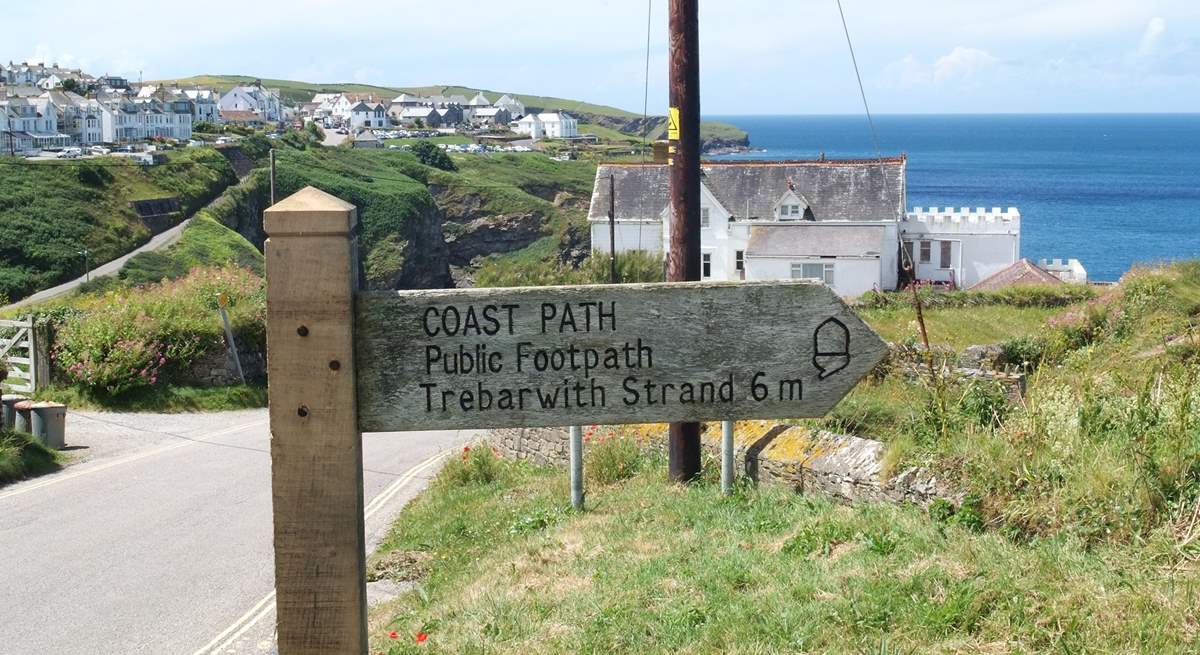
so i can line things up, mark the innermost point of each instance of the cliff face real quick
(241, 207)
(471, 231)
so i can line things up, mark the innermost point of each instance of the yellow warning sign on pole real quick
(673, 124)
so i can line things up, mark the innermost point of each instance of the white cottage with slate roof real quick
(841, 222)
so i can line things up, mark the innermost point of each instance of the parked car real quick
(69, 153)
(100, 150)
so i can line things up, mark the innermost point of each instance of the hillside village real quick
(914, 439)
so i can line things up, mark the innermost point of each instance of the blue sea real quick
(1108, 189)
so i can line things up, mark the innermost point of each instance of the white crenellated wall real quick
(1070, 271)
(983, 241)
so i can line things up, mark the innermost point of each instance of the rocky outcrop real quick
(491, 234)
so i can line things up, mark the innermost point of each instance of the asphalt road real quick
(160, 542)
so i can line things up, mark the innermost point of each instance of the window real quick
(789, 212)
(819, 272)
(739, 260)
(945, 254)
(908, 252)
(704, 217)
(926, 252)
(706, 265)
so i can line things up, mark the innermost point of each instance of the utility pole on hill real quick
(683, 258)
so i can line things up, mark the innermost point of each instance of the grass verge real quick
(22, 456)
(502, 565)
(165, 399)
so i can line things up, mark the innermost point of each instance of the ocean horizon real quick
(1111, 190)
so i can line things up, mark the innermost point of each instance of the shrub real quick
(137, 338)
(477, 465)
(612, 457)
(1024, 353)
(429, 154)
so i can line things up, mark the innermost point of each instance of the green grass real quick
(22, 456)
(167, 399)
(50, 211)
(504, 566)
(204, 242)
(959, 327)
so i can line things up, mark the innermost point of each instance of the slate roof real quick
(1018, 274)
(837, 190)
(809, 239)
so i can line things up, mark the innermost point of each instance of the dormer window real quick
(790, 212)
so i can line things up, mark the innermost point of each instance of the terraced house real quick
(126, 119)
(842, 222)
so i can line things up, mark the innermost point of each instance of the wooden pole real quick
(316, 448)
(683, 258)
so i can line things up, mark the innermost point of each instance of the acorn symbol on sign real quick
(831, 347)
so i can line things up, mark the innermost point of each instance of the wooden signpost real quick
(341, 362)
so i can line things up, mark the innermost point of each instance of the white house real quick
(549, 125)
(28, 125)
(206, 104)
(264, 102)
(369, 115)
(124, 119)
(842, 222)
(961, 246)
(559, 125)
(531, 125)
(77, 116)
(51, 81)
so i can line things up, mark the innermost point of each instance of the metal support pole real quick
(612, 229)
(272, 176)
(577, 467)
(221, 301)
(727, 457)
(683, 256)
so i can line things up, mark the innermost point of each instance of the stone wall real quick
(844, 468)
(217, 368)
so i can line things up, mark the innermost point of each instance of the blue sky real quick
(757, 56)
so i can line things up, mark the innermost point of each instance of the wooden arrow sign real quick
(638, 353)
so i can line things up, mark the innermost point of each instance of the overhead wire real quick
(861, 90)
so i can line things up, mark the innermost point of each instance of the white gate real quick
(19, 355)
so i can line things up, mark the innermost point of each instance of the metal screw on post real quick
(727, 458)
(577, 467)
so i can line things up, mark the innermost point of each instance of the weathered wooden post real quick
(576, 456)
(316, 446)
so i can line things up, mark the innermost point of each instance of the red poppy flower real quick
(422, 637)
(466, 449)
(393, 635)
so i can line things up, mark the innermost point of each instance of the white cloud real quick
(964, 64)
(906, 73)
(1152, 38)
